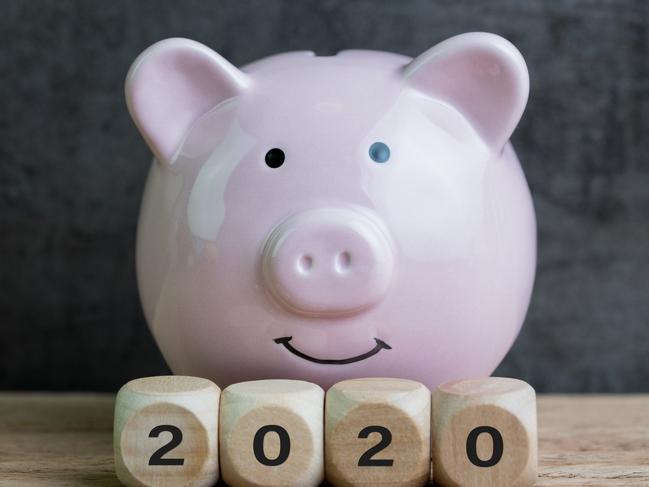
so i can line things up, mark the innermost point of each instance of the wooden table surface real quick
(66, 440)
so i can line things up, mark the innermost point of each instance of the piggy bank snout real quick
(328, 262)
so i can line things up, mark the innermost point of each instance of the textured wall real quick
(72, 167)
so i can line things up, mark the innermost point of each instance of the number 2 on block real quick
(176, 439)
(366, 459)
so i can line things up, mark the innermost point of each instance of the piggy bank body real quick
(324, 218)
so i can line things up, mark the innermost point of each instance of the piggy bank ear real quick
(482, 75)
(171, 84)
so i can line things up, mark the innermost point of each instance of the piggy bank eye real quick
(275, 158)
(379, 152)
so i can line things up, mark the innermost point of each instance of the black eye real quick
(379, 152)
(275, 158)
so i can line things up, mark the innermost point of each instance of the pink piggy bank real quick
(329, 217)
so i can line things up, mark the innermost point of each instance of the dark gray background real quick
(72, 167)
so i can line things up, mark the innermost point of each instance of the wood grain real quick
(63, 440)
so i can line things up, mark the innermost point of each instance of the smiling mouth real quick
(380, 345)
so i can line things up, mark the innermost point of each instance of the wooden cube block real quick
(377, 432)
(272, 434)
(484, 433)
(166, 432)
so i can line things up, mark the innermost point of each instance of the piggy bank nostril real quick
(305, 263)
(343, 262)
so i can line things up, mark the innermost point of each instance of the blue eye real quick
(379, 152)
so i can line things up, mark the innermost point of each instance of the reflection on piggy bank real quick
(329, 217)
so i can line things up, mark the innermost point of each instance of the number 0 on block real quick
(484, 433)
(272, 434)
